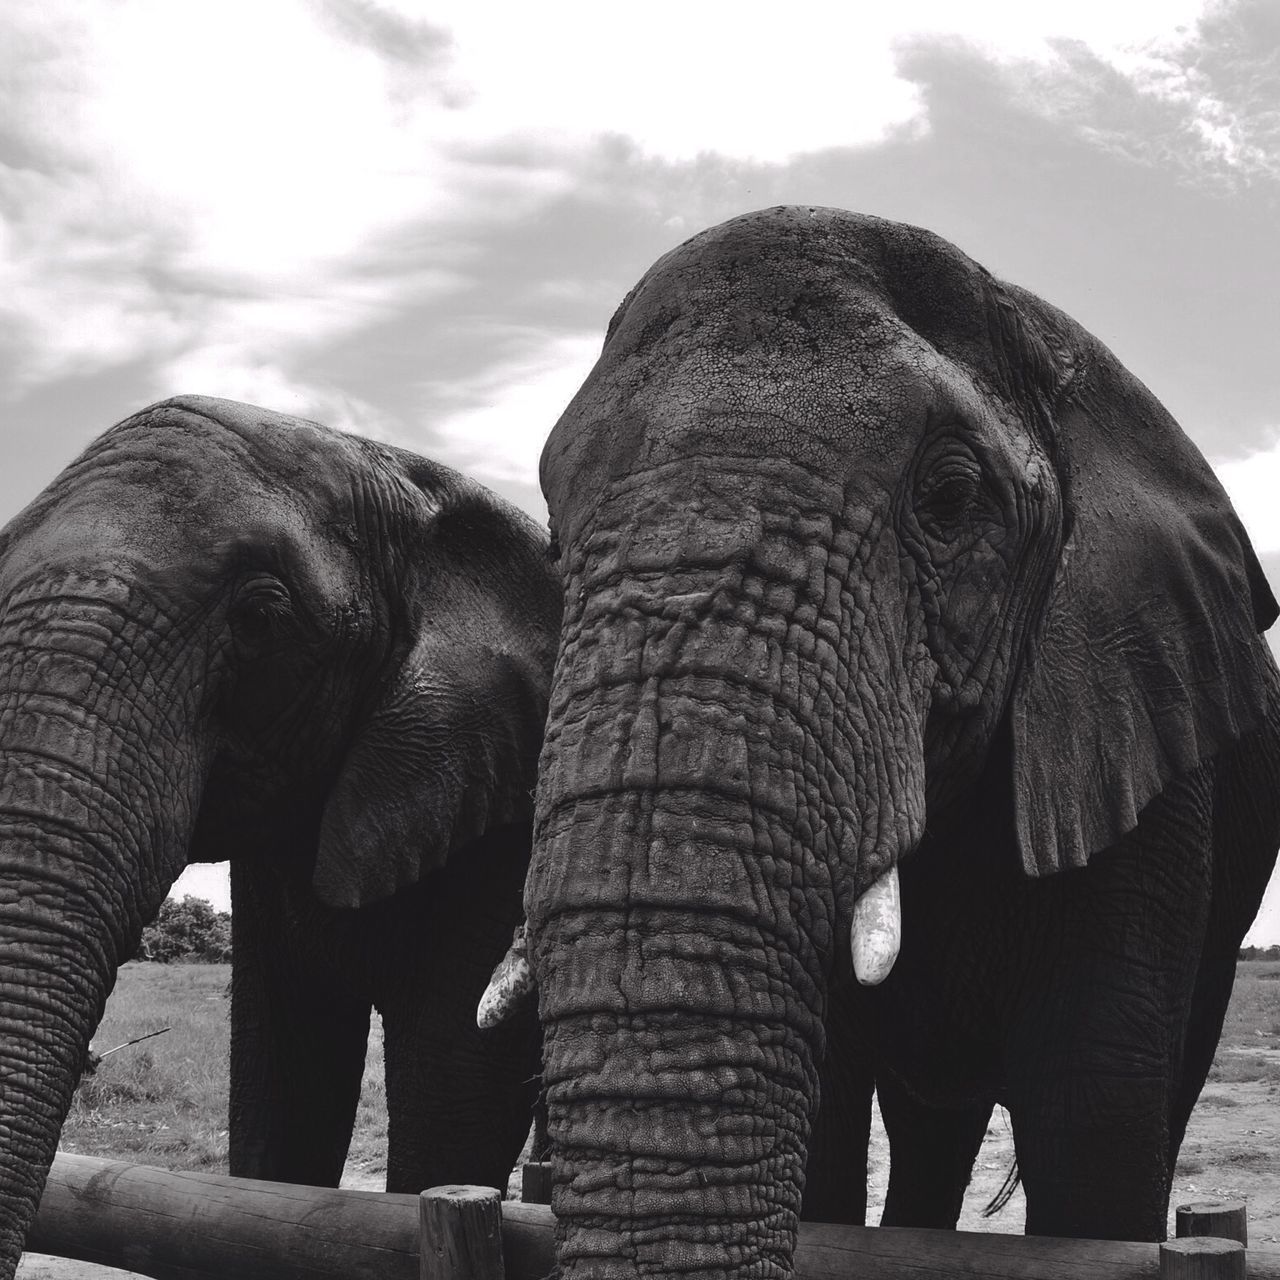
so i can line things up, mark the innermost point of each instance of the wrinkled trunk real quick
(680, 1072)
(93, 829)
(698, 849)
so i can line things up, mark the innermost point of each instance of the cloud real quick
(511, 407)
(1252, 483)
(406, 223)
(174, 165)
(1229, 77)
(162, 166)
(749, 81)
(402, 38)
(221, 209)
(1204, 103)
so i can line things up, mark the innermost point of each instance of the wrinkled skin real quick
(869, 559)
(232, 634)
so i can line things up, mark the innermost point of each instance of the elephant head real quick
(226, 633)
(833, 508)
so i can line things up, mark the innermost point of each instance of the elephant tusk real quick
(512, 983)
(876, 932)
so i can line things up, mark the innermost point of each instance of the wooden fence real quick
(200, 1226)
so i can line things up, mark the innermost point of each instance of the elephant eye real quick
(261, 607)
(553, 550)
(948, 493)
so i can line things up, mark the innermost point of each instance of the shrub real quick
(189, 930)
(1261, 953)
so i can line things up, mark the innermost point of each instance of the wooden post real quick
(1202, 1258)
(1227, 1219)
(535, 1182)
(460, 1233)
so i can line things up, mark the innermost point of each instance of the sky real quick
(414, 221)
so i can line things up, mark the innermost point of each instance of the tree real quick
(189, 930)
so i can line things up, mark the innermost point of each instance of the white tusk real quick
(876, 932)
(511, 984)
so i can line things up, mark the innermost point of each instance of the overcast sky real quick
(417, 227)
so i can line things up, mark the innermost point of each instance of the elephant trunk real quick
(58, 958)
(698, 857)
(679, 1133)
(92, 833)
(681, 1047)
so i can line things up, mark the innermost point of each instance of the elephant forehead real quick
(221, 461)
(215, 444)
(194, 475)
(783, 254)
(814, 336)
(852, 406)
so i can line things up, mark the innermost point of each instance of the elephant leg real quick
(1090, 1106)
(1246, 832)
(459, 1100)
(457, 1110)
(1104, 1179)
(297, 1047)
(835, 1187)
(931, 1155)
(1094, 1056)
(1208, 1008)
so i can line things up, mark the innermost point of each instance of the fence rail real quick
(201, 1226)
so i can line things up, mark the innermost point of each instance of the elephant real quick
(910, 715)
(232, 634)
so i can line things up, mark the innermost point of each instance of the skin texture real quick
(871, 560)
(231, 634)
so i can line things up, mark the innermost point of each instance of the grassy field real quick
(1251, 1033)
(164, 1102)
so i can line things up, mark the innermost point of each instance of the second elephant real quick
(229, 634)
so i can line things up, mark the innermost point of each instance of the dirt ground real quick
(1231, 1152)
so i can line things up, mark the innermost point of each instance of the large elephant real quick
(232, 634)
(869, 559)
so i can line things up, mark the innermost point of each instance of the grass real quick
(1250, 1046)
(1254, 1012)
(165, 1102)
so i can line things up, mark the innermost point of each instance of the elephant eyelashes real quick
(260, 610)
(950, 491)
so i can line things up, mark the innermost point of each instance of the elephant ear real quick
(1147, 659)
(449, 750)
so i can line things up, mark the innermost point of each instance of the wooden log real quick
(1227, 1219)
(535, 1182)
(200, 1226)
(461, 1233)
(1202, 1258)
